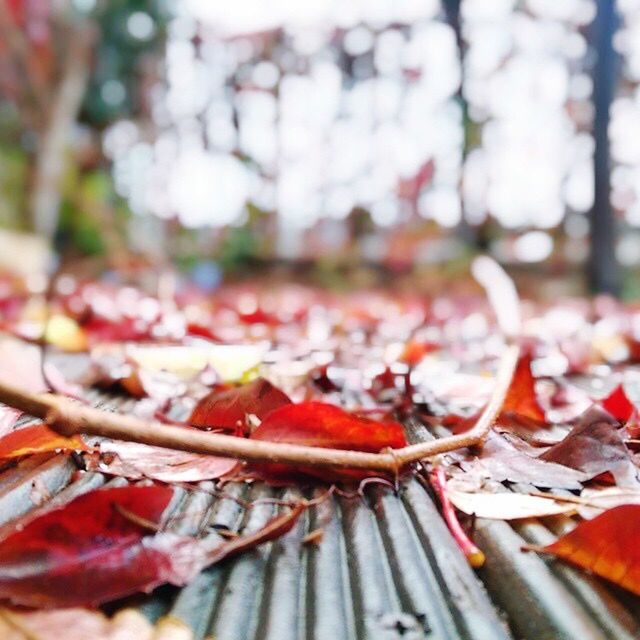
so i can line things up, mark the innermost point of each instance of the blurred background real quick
(350, 141)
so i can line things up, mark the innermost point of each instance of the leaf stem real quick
(474, 555)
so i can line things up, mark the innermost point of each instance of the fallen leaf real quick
(506, 505)
(595, 446)
(95, 549)
(37, 438)
(65, 333)
(607, 546)
(59, 384)
(317, 424)
(228, 408)
(500, 460)
(415, 350)
(111, 366)
(520, 408)
(618, 404)
(134, 461)
(20, 367)
(231, 361)
(159, 385)
(521, 398)
(84, 552)
(598, 500)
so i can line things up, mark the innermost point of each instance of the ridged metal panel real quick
(385, 569)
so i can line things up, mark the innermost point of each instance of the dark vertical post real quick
(464, 231)
(603, 269)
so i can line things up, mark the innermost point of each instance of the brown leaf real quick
(595, 446)
(501, 461)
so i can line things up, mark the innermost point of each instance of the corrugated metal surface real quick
(385, 569)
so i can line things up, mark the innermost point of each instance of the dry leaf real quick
(507, 505)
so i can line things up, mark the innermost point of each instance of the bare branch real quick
(69, 418)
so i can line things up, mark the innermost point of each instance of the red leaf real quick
(84, 552)
(607, 546)
(202, 331)
(521, 398)
(520, 408)
(415, 350)
(316, 424)
(595, 446)
(37, 438)
(618, 405)
(227, 409)
(97, 548)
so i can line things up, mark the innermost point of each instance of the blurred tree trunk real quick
(53, 141)
(603, 268)
(48, 78)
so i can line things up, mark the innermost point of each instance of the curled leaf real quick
(521, 398)
(595, 446)
(520, 408)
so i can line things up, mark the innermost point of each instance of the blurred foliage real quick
(91, 213)
(238, 249)
(13, 185)
(114, 88)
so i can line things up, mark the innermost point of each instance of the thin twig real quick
(275, 528)
(557, 498)
(144, 523)
(68, 418)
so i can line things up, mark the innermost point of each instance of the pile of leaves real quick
(304, 367)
